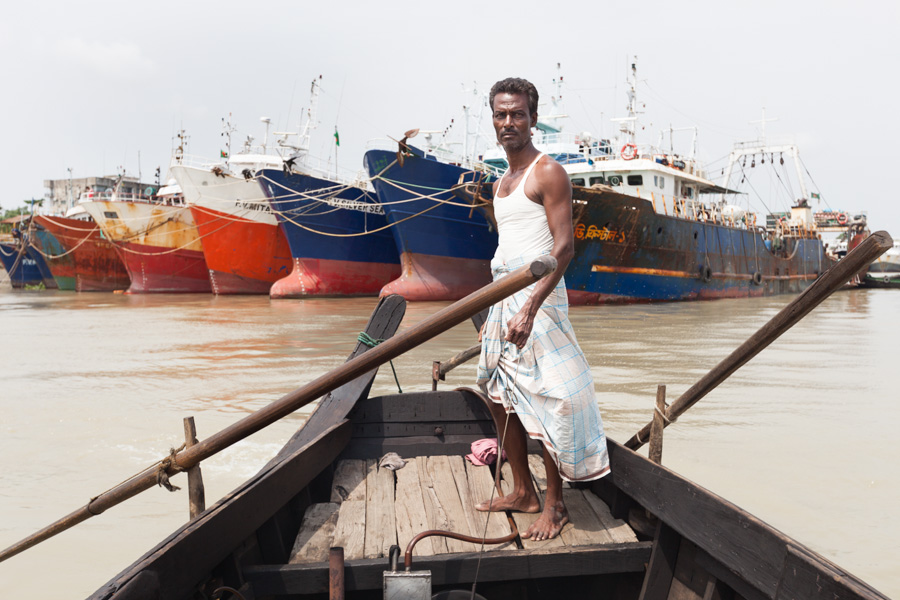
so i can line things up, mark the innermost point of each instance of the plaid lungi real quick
(548, 383)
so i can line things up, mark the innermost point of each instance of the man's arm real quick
(551, 186)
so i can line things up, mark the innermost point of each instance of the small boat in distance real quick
(885, 271)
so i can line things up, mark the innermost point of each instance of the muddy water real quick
(94, 387)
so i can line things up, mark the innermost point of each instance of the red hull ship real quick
(156, 269)
(96, 265)
(243, 256)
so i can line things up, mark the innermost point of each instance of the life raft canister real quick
(628, 152)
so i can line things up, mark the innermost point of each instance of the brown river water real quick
(94, 388)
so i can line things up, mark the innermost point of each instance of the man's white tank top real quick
(521, 223)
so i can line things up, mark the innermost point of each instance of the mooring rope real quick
(371, 342)
(67, 252)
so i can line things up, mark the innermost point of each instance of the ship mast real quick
(227, 129)
(628, 127)
(742, 149)
(311, 122)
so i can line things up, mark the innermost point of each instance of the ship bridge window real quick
(659, 181)
(635, 180)
(596, 180)
(110, 214)
(688, 191)
(614, 180)
(578, 181)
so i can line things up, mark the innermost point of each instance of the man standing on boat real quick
(531, 366)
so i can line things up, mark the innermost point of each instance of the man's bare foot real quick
(528, 503)
(549, 524)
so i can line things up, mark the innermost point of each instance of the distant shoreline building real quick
(63, 194)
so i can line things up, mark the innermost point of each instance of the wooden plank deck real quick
(373, 508)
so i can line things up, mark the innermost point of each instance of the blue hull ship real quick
(627, 252)
(445, 245)
(25, 268)
(337, 234)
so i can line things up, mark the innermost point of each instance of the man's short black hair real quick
(517, 85)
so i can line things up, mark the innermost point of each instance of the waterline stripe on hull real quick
(685, 274)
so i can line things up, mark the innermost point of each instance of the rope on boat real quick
(67, 252)
(663, 415)
(371, 342)
(323, 196)
(162, 475)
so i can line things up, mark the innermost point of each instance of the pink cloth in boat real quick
(484, 452)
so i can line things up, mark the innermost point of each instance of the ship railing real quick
(108, 196)
(232, 164)
(326, 169)
(696, 210)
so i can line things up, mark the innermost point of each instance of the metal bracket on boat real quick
(405, 585)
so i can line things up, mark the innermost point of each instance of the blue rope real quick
(371, 342)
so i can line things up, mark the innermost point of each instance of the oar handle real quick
(439, 322)
(830, 281)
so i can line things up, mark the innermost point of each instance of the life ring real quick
(842, 218)
(628, 152)
(756, 278)
(705, 274)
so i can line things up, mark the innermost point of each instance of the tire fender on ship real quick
(756, 278)
(705, 274)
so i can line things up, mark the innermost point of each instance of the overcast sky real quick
(88, 85)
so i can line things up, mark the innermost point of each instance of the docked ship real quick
(25, 266)
(337, 232)
(651, 226)
(445, 244)
(96, 264)
(156, 237)
(244, 249)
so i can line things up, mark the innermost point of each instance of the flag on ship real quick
(337, 137)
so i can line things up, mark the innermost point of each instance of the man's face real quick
(512, 121)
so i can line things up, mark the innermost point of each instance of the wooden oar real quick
(830, 281)
(438, 323)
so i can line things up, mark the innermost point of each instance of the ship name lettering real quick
(375, 209)
(253, 206)
(603, 235)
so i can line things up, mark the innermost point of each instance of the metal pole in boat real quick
(437, 323)
(826, 284)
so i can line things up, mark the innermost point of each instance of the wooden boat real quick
(271, 537)
(641, 532)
